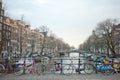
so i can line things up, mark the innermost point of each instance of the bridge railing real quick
(49, 63)
(66, 61)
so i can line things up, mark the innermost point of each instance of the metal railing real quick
(61, 60)
(49, 63)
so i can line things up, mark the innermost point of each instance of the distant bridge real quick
(62, 53)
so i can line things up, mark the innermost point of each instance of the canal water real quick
(74, 58)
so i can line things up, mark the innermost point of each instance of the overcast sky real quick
(71, 20)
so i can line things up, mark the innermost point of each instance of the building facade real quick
(116, 38)
(5, 33)
(17, 37)
(1, 24)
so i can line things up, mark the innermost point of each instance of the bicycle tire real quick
(2, 69)
(18, 70)
(88, 68)
(109, 71)
(67, 70)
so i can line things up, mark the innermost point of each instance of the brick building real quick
(5, 33)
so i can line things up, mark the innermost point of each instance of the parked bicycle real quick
(81, 68)
(5, 67)
(2, 69)
(27, 68)
(114, 66)
(70, 68)
(103, 66)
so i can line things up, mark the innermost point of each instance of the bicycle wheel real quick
(2, 69)
(67, 70)
(88, 68)
(108, 71)
(18, 70)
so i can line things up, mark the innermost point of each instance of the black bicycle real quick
(83, 68)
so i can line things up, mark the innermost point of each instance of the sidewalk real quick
(60, 77)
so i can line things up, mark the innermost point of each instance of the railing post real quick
(61, 66)
(79, 66)
(24, 65)
(43, 64)
(112, 61)
(96, 63)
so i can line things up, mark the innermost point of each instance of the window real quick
(16, 31)
(9, 28)
(4, 34)
(0, 26)
(7, 35)
(116, 33)
(2, 12)
(0, 36)
(4, 27)
(1, 18)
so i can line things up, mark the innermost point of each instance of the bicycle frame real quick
(103, 67)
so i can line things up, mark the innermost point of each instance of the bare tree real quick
(51, 43)
(43, 30)
(104, 30)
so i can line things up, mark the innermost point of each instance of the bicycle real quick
(69, 69)
(5, 67)
(20, 69)
(104, 68)
(83, 68)
(114, 67)
(2, 69)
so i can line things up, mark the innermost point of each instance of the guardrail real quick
(44, 61)
(51, 61)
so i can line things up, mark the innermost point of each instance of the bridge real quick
(62, 53)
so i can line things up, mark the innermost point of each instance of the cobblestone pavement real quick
(60, 77)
